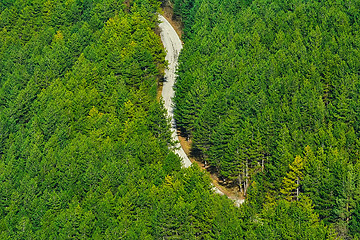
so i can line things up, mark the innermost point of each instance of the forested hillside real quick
(85, 147)
(269, 92)
(83, 141)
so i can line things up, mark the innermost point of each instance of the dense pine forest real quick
(85, 149)
(269, 93)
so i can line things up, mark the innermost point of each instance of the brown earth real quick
(175, 21)
(229, 188)
(159, 91)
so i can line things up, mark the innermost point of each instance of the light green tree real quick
(291, 182)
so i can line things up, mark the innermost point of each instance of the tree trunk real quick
(239, 180)
(244, 182)
(347, 211)
(246, 176)
(297, 189)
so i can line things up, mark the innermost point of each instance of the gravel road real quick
(173, 46)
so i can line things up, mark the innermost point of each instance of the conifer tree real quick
(291, 182)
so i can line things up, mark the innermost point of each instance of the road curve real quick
(173, 46)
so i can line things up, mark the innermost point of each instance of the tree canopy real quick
(85, 149)
(264, 83)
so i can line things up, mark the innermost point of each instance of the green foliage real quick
(291, 181)
(85, 146)
(260, 80)
(83, 138)
(291, 220)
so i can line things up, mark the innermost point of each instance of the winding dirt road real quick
(173, 46)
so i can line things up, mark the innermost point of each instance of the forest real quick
(85, 149)
(269, 93)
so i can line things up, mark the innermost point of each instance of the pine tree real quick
(291, 182)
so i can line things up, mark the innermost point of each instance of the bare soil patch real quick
(159, 91)
(229, 188)
(174, 20)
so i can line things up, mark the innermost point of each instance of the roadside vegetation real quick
(85, 147)
(269, 93)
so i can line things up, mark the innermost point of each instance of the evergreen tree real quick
(291, 182)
